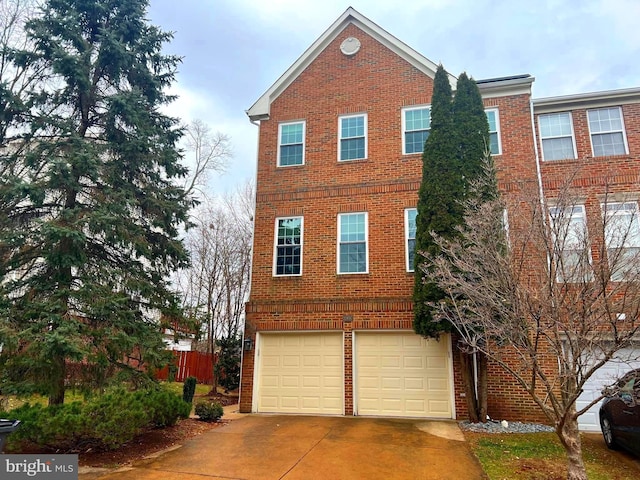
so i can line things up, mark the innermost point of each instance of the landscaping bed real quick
(539, 456)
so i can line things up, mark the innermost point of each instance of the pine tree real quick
(91, 211)
(441, 182)
(454, 158)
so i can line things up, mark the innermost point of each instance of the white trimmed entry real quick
(300, 373)
(401, 374)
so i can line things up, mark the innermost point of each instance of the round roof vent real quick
(350, 46)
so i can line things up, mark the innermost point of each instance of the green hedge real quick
(105, 422)
(209, 411)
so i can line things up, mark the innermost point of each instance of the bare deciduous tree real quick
(210, 153)
(550, 299)
(215, 288)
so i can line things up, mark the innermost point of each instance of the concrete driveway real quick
(293, 447)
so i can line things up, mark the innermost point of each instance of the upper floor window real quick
(494, 131)
(288, 246)
(556, 134)
(291, 144)
(416, 122)
(607, 131)
(352, 243)
(352, 144)
(572, 255)
(622, 238)
(410, 215)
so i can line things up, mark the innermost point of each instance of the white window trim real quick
(366, 243)
(366, 136)
(304, 138)
(573, 137)
(624, 131)
(495, 109)
(404, 126)
(275, 247)
(607, 215)
(559, 278)
(409, 268)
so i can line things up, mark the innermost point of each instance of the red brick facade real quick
(378, 82)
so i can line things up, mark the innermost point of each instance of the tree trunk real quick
(466, 365)
(58, 374)
(570, 439)
(483, 384)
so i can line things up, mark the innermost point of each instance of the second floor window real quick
(571, 247)
(416, 122)
(607, 131)
(291, 144)
(622, 238)
(494, 131)
(288, 246)
(352, 243)
(410, 215)
(352, 137)
(556, 134)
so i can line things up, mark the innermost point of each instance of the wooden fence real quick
(189, 364)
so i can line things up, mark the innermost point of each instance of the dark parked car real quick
(620, 413)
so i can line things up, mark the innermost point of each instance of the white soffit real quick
(261, 108)
(586, 100)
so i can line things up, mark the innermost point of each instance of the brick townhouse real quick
(341, 132)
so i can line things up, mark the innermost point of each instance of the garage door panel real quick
(289, 381)
(414, 383)
(606, 375)
(300, 373)
(402, 374)
(392, 361)
(412, 361)
(291, 361)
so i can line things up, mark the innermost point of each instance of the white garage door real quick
(402, 375)
(606, 375)
(300, 373)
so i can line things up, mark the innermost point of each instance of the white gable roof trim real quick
(261, 108)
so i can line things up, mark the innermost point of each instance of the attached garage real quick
(401, 374)
(300, 373)
(606, 375)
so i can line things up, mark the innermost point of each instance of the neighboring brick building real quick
(329, 319)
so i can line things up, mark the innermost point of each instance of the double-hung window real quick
(556, 134)
(571, 247)
(622, 238)
(288, 246)
(352, 143)
(494, 131)
(410, 215)
(607, 131)
(352, 243)
(291, 144)
(416, 122)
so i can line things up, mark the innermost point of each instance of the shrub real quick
(102, 423)
(189, 389)
(209, 411)
(163, 406)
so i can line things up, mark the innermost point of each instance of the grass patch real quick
(176, 387)
(540, 456)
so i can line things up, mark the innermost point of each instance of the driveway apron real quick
(296, 447)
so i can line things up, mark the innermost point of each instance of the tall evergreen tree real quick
(454, 158)
(472, 134)
(91, 211)
(441, 182)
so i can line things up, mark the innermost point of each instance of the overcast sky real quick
(234, 50)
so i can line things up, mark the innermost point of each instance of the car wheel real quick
(607, 433)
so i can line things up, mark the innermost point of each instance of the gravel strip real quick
(493, 426)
